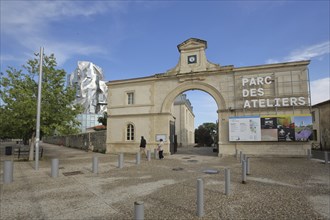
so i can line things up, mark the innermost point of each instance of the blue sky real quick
(129, 39)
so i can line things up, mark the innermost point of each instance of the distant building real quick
(184, 120)
(88, 121)
(91, 93)
(321, 125)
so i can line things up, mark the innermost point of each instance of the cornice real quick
(222, 69)
(272, 66)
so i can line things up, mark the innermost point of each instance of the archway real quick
(196, 123)
(166, 106)
(201, 86)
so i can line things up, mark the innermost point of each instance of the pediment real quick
(192, 43)
(192, 58)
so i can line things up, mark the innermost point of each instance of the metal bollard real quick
(155, 153)
(240, 156)
(148, 155)
(138, 158)
(138, 210)
(200, 198)
(227, 181)
(243, 172)
(95, 164)
(236, 153)
(54, 168)
(309, 154)
(247, 166)
(8, 171)
(244, 157)
(326, 158)
(121, 160)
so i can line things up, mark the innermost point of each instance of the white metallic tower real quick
(91, 91)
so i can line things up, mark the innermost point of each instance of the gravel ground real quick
(277, 188)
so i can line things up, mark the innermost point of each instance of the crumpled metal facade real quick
(91, 90)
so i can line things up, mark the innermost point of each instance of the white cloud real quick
(28, 24)
(269, 61)
(29, 14)
(10, 58)
(66, 50)
(62, 50)
(320, 90)
(305, 53)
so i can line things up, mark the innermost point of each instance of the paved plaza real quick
(277, 188)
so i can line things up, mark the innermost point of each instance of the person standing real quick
(160, 149)
(143, 145)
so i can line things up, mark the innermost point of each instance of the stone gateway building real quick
(262, 110)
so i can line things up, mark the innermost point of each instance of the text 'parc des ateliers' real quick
(259, 92)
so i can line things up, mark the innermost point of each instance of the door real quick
(172, 138)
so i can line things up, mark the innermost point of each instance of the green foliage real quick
(19, 91)
(206, 134)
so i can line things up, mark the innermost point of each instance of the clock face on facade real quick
(192, 59)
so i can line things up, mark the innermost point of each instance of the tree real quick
(206, 134)
(19, 91)
(4, 131)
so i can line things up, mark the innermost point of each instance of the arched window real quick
(130, 132)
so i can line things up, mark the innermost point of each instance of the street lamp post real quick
(36, 167)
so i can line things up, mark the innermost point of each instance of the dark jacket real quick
(143, 143)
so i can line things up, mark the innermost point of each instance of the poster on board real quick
(268, 128)
(303, 128)
(244, 128)
(285, 128)
(160, 136)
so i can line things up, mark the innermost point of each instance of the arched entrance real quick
(246, 97)
(168, 101)
(166, 106)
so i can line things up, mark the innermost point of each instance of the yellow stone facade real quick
(146, 104)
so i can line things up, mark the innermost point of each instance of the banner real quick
(282, 128)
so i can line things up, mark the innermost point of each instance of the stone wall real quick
(321, 124)
(96, 141)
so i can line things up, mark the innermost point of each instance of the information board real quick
(271, 128)
(245, 128)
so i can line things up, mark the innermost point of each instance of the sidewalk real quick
(278, 188)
